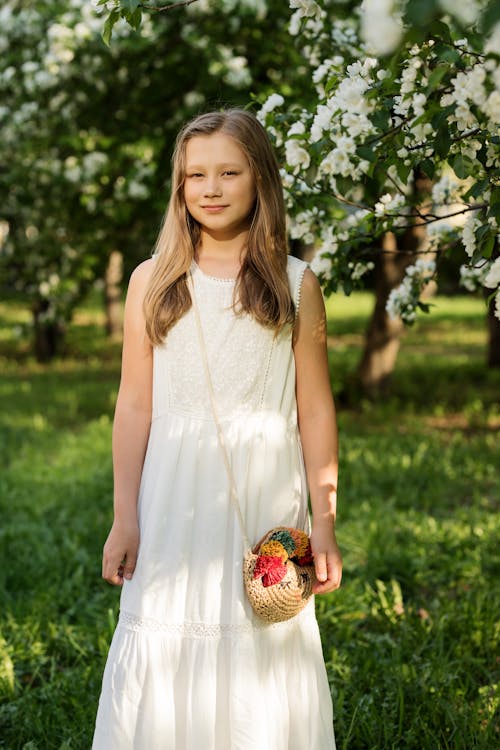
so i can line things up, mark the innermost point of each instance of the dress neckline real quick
(207, 276)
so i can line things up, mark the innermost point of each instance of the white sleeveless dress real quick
(190, 667)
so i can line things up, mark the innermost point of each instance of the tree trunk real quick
(493, 336)
(48, 335)
(382, 338)
(112, 294)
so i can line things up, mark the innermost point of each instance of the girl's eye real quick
(230, 172)
(195, 174)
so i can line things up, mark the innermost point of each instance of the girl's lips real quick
(213, 209)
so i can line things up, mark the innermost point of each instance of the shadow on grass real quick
(34, 404)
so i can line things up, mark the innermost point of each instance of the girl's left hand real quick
(327, 559)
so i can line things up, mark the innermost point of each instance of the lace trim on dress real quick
(298, 288)
(128, 621)
(219, 279)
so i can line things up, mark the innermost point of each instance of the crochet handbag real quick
(278, 571)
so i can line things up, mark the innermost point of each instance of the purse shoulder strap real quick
(220, 435)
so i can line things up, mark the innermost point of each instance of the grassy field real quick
(411, 638)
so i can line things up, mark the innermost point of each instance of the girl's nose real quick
(212, 187)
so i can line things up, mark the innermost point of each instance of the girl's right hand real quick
(120, 552)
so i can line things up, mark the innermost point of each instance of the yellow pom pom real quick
(274, 549)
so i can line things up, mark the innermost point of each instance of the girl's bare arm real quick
(318, 431)
(131, 427)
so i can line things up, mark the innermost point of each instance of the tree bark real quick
(48, 335)
(493, 336)
(383, 336)
(382, 339)
(112, 294)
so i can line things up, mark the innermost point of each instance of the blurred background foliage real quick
(86, 133)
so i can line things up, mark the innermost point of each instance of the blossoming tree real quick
(398, 160)
(86, 133)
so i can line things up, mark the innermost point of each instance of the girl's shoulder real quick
(142, 272)
(138, 282)
(140, 276)
(296, 269)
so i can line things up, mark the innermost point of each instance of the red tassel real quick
(271, 569)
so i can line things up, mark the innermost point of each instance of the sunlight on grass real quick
(408, 640)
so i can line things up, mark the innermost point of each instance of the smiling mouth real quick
(213, 208)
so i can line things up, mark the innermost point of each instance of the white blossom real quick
(306, 8)
(491, 107)
(492, 278)
(404, 299)
(296, 156)
(360, 268)
(321, 264)
(336, 162)
(466, 12)
(388, 204)
(445, 190)
(493, 43)
(381, 26)
(472, 277)
(273, 101)
(298, 128)
(468, 234)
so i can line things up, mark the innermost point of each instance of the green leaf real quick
(477, 189)
(462, 166)
(445, 53)
(403, 171)
(380, 119)
(420, 12)
(331, 83)
(494, 210)
(491, 16)
(108, 26)
(482, 231)
(487, 245)
(437, 76)
(441, 116)
(428, 166)
(441, 30)
(130, 5)
(442, 142)
(134, 19)
(366, 152)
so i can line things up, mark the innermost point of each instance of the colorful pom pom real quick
(271, 569)
(307, 558)
(301, 541)
(286, 539)
(274, 549)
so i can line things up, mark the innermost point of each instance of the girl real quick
(190, 666)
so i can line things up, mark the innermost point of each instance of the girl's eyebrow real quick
(224, 165)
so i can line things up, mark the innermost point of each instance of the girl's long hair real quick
(261, 288)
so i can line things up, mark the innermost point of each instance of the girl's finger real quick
(320, 567)
(334, 574)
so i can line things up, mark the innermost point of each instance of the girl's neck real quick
(221, 257)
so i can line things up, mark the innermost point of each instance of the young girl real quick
(190, 666)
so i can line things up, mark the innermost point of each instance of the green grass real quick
(411, 638)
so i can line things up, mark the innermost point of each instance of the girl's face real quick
(219, 188)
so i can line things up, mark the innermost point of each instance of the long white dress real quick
(190, 667)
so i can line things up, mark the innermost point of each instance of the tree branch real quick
(171, 6)
(463, 50)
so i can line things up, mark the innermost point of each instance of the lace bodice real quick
(242, 355)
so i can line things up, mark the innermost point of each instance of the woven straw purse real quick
(278, 571)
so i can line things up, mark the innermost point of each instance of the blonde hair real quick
(261, 288)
